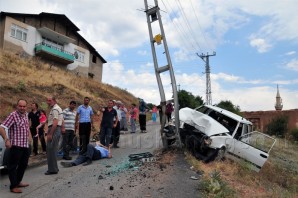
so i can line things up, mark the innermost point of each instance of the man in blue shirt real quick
(84, 121)
(94, 152)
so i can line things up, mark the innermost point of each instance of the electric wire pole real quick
(205, 58)
(153, 15)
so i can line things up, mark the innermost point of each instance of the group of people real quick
(20, 123)
(66, 123)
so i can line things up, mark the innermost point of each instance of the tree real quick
(228, 105)
(186, 99)
(278, 126)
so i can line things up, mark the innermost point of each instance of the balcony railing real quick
(52, 52)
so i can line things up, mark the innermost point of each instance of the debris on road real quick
(139, 156)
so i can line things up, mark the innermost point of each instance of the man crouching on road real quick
(18, 143)
(96, 152)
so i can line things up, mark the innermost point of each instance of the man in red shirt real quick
(18, 125)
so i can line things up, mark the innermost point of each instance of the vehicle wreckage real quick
(212, 133)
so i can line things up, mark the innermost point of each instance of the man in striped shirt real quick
(69, 115)
(18, 125)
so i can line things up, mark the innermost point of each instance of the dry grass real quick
(278, 177)
(34, 80)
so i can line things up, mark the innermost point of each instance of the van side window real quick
(238, 132)
(245, 129)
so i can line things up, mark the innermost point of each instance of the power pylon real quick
(205, 58)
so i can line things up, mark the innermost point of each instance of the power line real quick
(187, 23)
(182, 33)
(197, 19)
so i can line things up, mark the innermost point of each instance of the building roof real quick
(63, 19)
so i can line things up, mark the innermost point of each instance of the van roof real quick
(229, 114)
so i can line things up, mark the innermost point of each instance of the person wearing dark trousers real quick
(142, 115)
(84, 121)
(17, 124)
(34, 119)
(116, 130)
(55, 121)
(40, 130)
(169, 110)
(94, 152)
(108, 122)
(69, 115)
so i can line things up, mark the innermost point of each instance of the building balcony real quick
(53, 53)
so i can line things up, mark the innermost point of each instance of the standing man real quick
(123, 122)
(116, 130)
(55, 121)
(69, 115)
(18, 125)
(84, 121)
(34, 119)
(169, 110)
(142, 115)
(108, 123)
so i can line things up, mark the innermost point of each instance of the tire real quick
(220, 154)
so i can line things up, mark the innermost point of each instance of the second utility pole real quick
(205, 58)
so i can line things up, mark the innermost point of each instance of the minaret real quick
(278, 104)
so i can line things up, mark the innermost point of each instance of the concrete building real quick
(53, 38)
(261, 119)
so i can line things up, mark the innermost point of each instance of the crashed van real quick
(212, 133)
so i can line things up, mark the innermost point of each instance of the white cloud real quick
(225, 77)
(290, 53)
(142, 52)
(261, 45)
(292, 65)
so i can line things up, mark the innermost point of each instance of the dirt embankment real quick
(33, 80)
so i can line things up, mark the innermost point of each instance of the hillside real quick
(34, 80)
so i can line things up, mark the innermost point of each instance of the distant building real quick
(261, 119)
(54, 38)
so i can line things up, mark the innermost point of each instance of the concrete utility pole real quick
(153, 15)
(205, 58)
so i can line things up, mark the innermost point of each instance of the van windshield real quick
(224, 120)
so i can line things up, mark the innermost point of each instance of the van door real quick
(2, 148)
(253, 148)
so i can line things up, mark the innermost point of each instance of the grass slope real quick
(34, 80)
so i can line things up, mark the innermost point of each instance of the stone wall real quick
(261, 119)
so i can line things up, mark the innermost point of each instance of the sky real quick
(256, 44)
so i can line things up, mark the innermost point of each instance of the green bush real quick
(21, 86)
(278, 126)
(214, 186)
(294, 133)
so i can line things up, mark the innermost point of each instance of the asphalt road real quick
(115, 177)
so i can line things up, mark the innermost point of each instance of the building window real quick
(19, 32)
(93, 58)
(79, 56)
